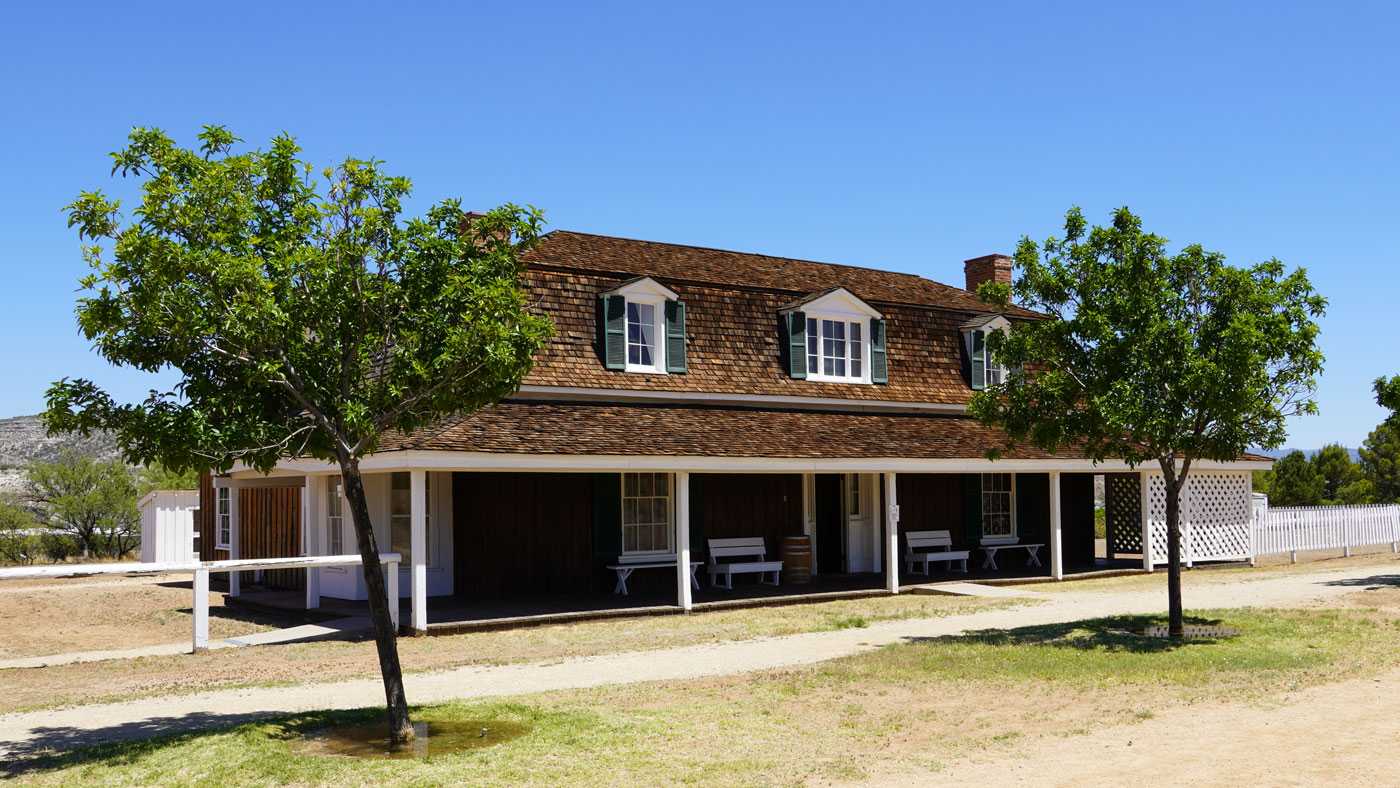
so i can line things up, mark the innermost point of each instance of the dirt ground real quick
(1334, 734)
(43, 617)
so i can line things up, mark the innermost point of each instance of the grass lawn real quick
(326, 661)
(910, 706)
(1381, 558)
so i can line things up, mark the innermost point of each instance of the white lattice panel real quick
(1216, 516)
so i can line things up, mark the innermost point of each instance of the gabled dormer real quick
(834, 337)
(983, 370)
(641, 328)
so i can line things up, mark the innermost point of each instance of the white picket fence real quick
(1291, 529)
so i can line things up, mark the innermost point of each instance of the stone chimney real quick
(987, 268)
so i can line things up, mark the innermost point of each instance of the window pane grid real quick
(641, 334)
(996, 505)
(646, 513)
(834, 349)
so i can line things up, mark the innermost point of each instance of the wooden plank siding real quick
(728, 505)
(269, 527)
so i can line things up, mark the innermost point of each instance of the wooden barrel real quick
(797, 559)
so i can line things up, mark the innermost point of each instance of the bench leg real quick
(621, 587)
(990, 562)
(1032, 556)
(694, 579)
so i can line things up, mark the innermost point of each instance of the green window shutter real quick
(879, 363)
(612, 330)
(796, 325)
(675, 336)
(978, 355)
(607, 520)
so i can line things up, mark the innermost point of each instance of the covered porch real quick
(486, 548)
(540, 505)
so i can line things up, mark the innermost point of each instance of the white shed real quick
(167, 525)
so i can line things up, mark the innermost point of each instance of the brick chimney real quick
(987, 268)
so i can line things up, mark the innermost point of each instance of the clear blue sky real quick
(900, 137)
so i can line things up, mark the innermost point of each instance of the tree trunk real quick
(385, 636)
(1176, 626)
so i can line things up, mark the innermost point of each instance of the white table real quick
(625, 571)
(1032, 553)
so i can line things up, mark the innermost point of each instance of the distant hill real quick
(23, 440)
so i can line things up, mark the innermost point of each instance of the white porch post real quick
(201, 610)
(312, 491)
(1057, 558)
(1146, 521)
(891, 535)
(683, 595)
(234, 584)
(418, 545)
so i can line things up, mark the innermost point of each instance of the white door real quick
(861, 538)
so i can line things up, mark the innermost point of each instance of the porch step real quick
(971, 589)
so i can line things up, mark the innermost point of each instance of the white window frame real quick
(993, 373)
(223, 519)
(837, 306)
(853, 350)
(1010, 494)
(335, 517)
(670, 547)
(658, 333)
(406, 518)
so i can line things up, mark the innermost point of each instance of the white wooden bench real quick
(748, 547)
(626, 565)
(990, 546)
(924, 547)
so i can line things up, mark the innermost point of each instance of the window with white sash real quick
(223, 520)
(646, 513)
(836, 350)
(401, 517)
(335, 522)
(998, 506)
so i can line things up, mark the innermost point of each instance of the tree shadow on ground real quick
(49, 748)
(1372, 583)
(1117, 633)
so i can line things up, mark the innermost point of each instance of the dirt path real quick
(1337, 734)
(27, 733)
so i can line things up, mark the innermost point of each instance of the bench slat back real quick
(736, 548)
(928, 539)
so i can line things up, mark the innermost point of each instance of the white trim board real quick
(489, 461)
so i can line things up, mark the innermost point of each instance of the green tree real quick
(1333, 464)
(20, 542)
(1380, 453)
(1296, 482)
(305, 317)
(1150, 356)
(158, 477)
(92, 501)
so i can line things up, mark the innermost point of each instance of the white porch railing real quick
(201, 571)
(1293, 529)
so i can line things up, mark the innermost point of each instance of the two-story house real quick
(691, 394)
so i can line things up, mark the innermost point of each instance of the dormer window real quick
(834, 337)
(983, 370)
(641, 328)
(836, 350)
